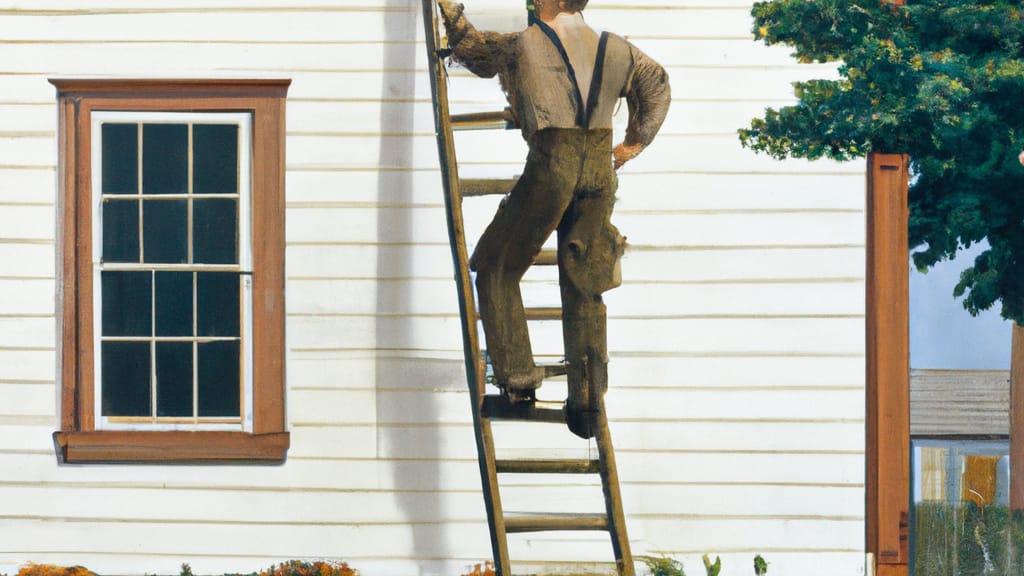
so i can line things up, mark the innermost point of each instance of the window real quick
(172, 317)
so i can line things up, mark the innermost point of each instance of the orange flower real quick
(485, 569)
(51, 570)
(302, 568)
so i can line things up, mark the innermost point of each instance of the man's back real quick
(580, 42)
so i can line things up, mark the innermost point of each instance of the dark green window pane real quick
(219, 379)
(127, 303)
(217, 303)
(174, 379)
(164, 158)
(215, 159)
(215, 233)
(173, 304)
(125, 369)
(120, 230)
(165, 231)
(120, 149)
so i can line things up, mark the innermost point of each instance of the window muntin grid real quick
(189, 196)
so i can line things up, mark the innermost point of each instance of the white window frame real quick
(245, 266)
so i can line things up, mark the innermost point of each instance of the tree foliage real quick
(940, 80)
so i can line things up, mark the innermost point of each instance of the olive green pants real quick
(568, 184)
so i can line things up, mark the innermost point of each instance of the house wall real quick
(736, 340)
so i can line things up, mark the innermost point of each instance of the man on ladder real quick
(563, 81)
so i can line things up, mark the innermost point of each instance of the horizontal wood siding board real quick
(665, 336)
(663, 404)
(705, 265)
(431, 370)
(432, 297)
(255, 506)
(750, 470)
(463, 538)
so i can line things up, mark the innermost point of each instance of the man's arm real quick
(483, 53)
(648, 94)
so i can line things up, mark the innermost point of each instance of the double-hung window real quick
(172, 265)
(172, 242)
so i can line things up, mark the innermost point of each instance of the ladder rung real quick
(552, 370)
(498, 407)
(548, 466)
(543, 313)
(485, 186)
(500, 120)
(550, 522)
(546, 258)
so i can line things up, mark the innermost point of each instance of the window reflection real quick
(961, 524)
(961, 520)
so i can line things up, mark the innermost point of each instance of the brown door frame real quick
(887, 485)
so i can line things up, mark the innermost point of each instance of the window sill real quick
(120, 446)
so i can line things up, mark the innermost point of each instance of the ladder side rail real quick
(453, 203)
(612, 494)
(467, 307)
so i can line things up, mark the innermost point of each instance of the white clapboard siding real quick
(34, 119)
(404, 440)
(335, 369)
(759, 83)
(736, 340)
(28, 150)
(738, 192)
(703, 335)
(640, 469)
(352, 296)
(27, 400)
(679, 264)
(26, 262)
(703, 118)
(26, 295)
(405, 225)
(27, 185)
(27, 331)
(633, 403)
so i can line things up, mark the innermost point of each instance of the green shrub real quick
(966, 539)
(760, 566)
(663, 566)
(712, 568)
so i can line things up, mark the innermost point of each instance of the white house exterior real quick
(737, 339)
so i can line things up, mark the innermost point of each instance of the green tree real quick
(940, 80)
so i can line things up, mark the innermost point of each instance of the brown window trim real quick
(78, 441)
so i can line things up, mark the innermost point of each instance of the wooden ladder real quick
(487, 408)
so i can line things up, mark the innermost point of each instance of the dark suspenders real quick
(583, 114)
(595, 82)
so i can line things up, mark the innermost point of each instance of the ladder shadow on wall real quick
(407, 429)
